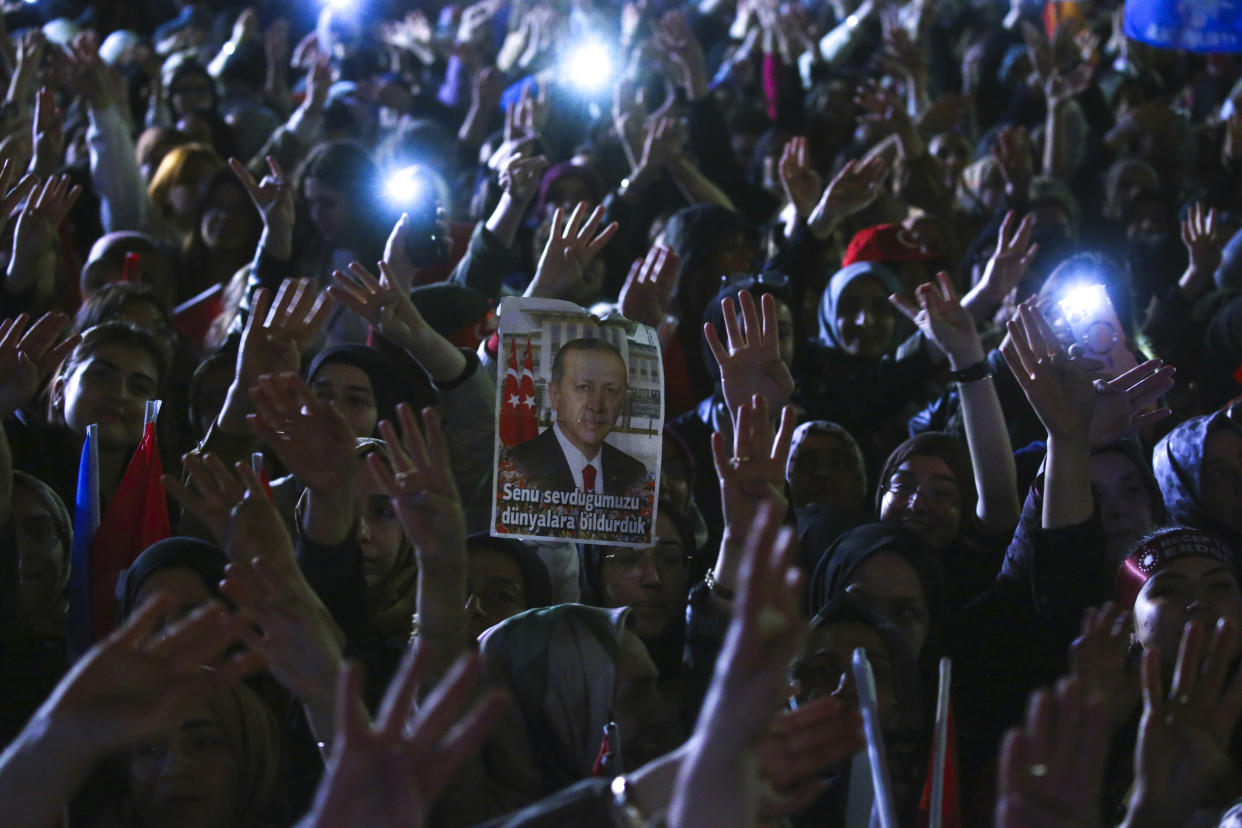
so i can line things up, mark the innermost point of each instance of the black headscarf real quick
(390, 383)
(200, 557)
(949, 448)
(534, 571)
(833, 570)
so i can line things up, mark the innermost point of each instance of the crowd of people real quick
(949, 296)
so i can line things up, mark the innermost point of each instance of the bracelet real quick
(624, 806)
(472, 364)
(972, 373)
(720, 591)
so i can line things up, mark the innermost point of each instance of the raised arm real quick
(942, 319)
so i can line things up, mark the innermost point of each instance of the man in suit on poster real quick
(587, 391)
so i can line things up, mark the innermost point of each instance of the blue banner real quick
(1190, 25)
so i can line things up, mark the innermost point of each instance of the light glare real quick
(589, 67)
(1083, 301)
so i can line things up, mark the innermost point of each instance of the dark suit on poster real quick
(543, 463)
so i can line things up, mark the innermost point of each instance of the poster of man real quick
(579, 416)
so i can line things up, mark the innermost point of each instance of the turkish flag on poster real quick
(530, 421)
(511, 428)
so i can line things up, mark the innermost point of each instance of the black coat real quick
(543, 463)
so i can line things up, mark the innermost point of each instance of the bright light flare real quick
(588, 67)
(1084, 301)
(406, 186)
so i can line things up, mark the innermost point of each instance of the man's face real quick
(589, 397)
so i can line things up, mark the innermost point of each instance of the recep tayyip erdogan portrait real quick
(587, 391)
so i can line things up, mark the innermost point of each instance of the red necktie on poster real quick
(588, 478)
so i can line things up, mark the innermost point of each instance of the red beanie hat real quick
(885, 243)
(1153, 554)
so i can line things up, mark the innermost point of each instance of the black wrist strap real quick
(972, 373)
(472, 365)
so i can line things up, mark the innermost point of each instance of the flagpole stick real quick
(864, 678)
(940, 743)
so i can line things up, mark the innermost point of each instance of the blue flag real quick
(85, 522)
(1191, 25)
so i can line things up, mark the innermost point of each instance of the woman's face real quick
(674, 477)
(329, 210)
(228, 219)
(183, 586)
(651, 581)
(924, 495)
(1220, 478)
(495, 588)
(1184, 590)
(636, 704)
(951, 153)
(110, 387)
(379, 531)
(188, 777)
(191, 93)
(890, 586)
(348, 389)
(825, 666)
(822, 469)
(41, 554)
(1123, 501)
(865, 320)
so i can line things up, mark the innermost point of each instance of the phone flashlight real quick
(1093, 321)
(588, 68)
(415, 190)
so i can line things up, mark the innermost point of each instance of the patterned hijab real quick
(1178, 464)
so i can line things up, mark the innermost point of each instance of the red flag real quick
(530, 422)
(951, 807)
(136, 518)
(510, 427)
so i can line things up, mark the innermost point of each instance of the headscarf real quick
(1178, 464)
(389, 382)
(560, 664)
(534, 571)
(253, 737)
(64, 529)
(949, 448)
(198, 556)
(392, 602)
(693, 233)
(566, 169)
(837, 285)
(812, 427)
(835, 566)
(1160, 549)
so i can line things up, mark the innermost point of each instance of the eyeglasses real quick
(769, 278)
(939, 496)
(630, 563)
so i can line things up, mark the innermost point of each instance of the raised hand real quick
(1013, 151)
(572, 245)
(798, 177)
(1060, 89)
(125, 688)
(389, 772)
(942, 319)
(884, 109)
(1124, 404)
(853, 188)
(674, 37)
(310, 436)
(1052, 768)
(801, 747)
(35, 235)
(1184, 736)
(1009, 263)
(273, 341)
(662, 143)
(1203, 238)
(719, 784)
(49, 133)
(272, 197)
(89, 76)
(1100, 659)
(14, 187)
(420, 483)
(28, 353)
(213, 492)
(752, 363)
(382, 303)
(1060, 389)
(649, 287)
(755, 471)
(521, 174)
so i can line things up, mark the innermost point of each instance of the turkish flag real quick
(511, 428)
(530, 422)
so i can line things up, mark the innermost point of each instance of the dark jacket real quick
(543, 462)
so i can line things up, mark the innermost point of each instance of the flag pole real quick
(940, 743)
(864, 678)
